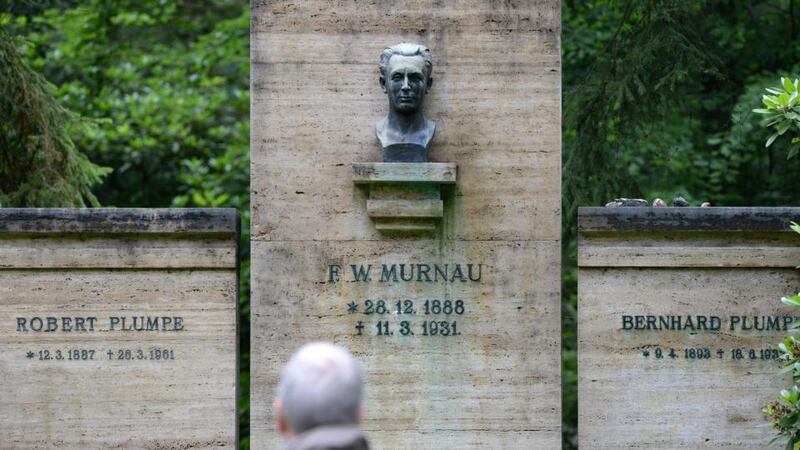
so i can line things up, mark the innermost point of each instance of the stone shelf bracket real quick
(405, 198)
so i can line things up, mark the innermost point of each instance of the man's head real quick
(320, 385)
(406, 76)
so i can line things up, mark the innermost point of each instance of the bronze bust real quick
(405, 78)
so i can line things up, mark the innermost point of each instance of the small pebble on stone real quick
(680, 202)
(658, 203)
(627, 203)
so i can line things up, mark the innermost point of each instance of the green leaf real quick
(770, 102)
(788, 85)
(775, 119)
(771, 139)
(792, 300)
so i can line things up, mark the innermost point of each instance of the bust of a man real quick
(405, 78)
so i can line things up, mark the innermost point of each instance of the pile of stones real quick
(657, 203)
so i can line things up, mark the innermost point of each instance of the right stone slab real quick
(679, 319)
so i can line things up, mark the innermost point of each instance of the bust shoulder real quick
(387, 135)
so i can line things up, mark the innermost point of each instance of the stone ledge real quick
(208, 221)
(373, 173)
(687, 219)
(405, 208)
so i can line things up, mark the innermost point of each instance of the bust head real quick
(405, 133)
(406, 76)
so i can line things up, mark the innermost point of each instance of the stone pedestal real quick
(405, 198)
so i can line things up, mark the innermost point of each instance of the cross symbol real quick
(359, 327)
(352, 307)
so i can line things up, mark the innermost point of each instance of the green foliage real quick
(783, 112)
(784, 413)
(173, 80)
(167, 84)
(39, 162)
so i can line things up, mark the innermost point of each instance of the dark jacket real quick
(340, 437)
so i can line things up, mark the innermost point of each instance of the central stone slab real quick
(458, 329)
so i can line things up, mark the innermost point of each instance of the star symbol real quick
(29, 355)
(352, 307)
(646, 353)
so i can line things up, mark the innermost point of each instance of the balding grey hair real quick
(320, 385)
(407, 49)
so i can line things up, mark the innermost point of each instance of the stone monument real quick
(118, 328)
(439, 267)
(679, 316)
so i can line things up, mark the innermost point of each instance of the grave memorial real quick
(679, 316)
(118, 328)
(429, 243)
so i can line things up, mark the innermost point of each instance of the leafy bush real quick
(783, 113)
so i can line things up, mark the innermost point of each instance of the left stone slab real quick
(118, 328)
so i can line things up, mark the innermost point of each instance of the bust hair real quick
(407, 49)
(320, 385)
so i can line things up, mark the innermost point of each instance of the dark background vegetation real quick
(161, 88)
(658, 99)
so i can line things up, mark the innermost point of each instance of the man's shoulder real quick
(339, 437)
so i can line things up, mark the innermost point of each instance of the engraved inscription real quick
(407, 317)
(89, 354)
(436, 317)
(92, 324)
(712, 324)
(408, 272)
(51, 324)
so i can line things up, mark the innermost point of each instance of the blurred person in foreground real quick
(318, 406)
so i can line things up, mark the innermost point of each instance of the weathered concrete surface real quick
(687, 219)
(672, 262)
(485, 384)
(497, 105)
(216, 221)
(440, 173)
(154, 263)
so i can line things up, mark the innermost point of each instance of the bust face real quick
(405, 83)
